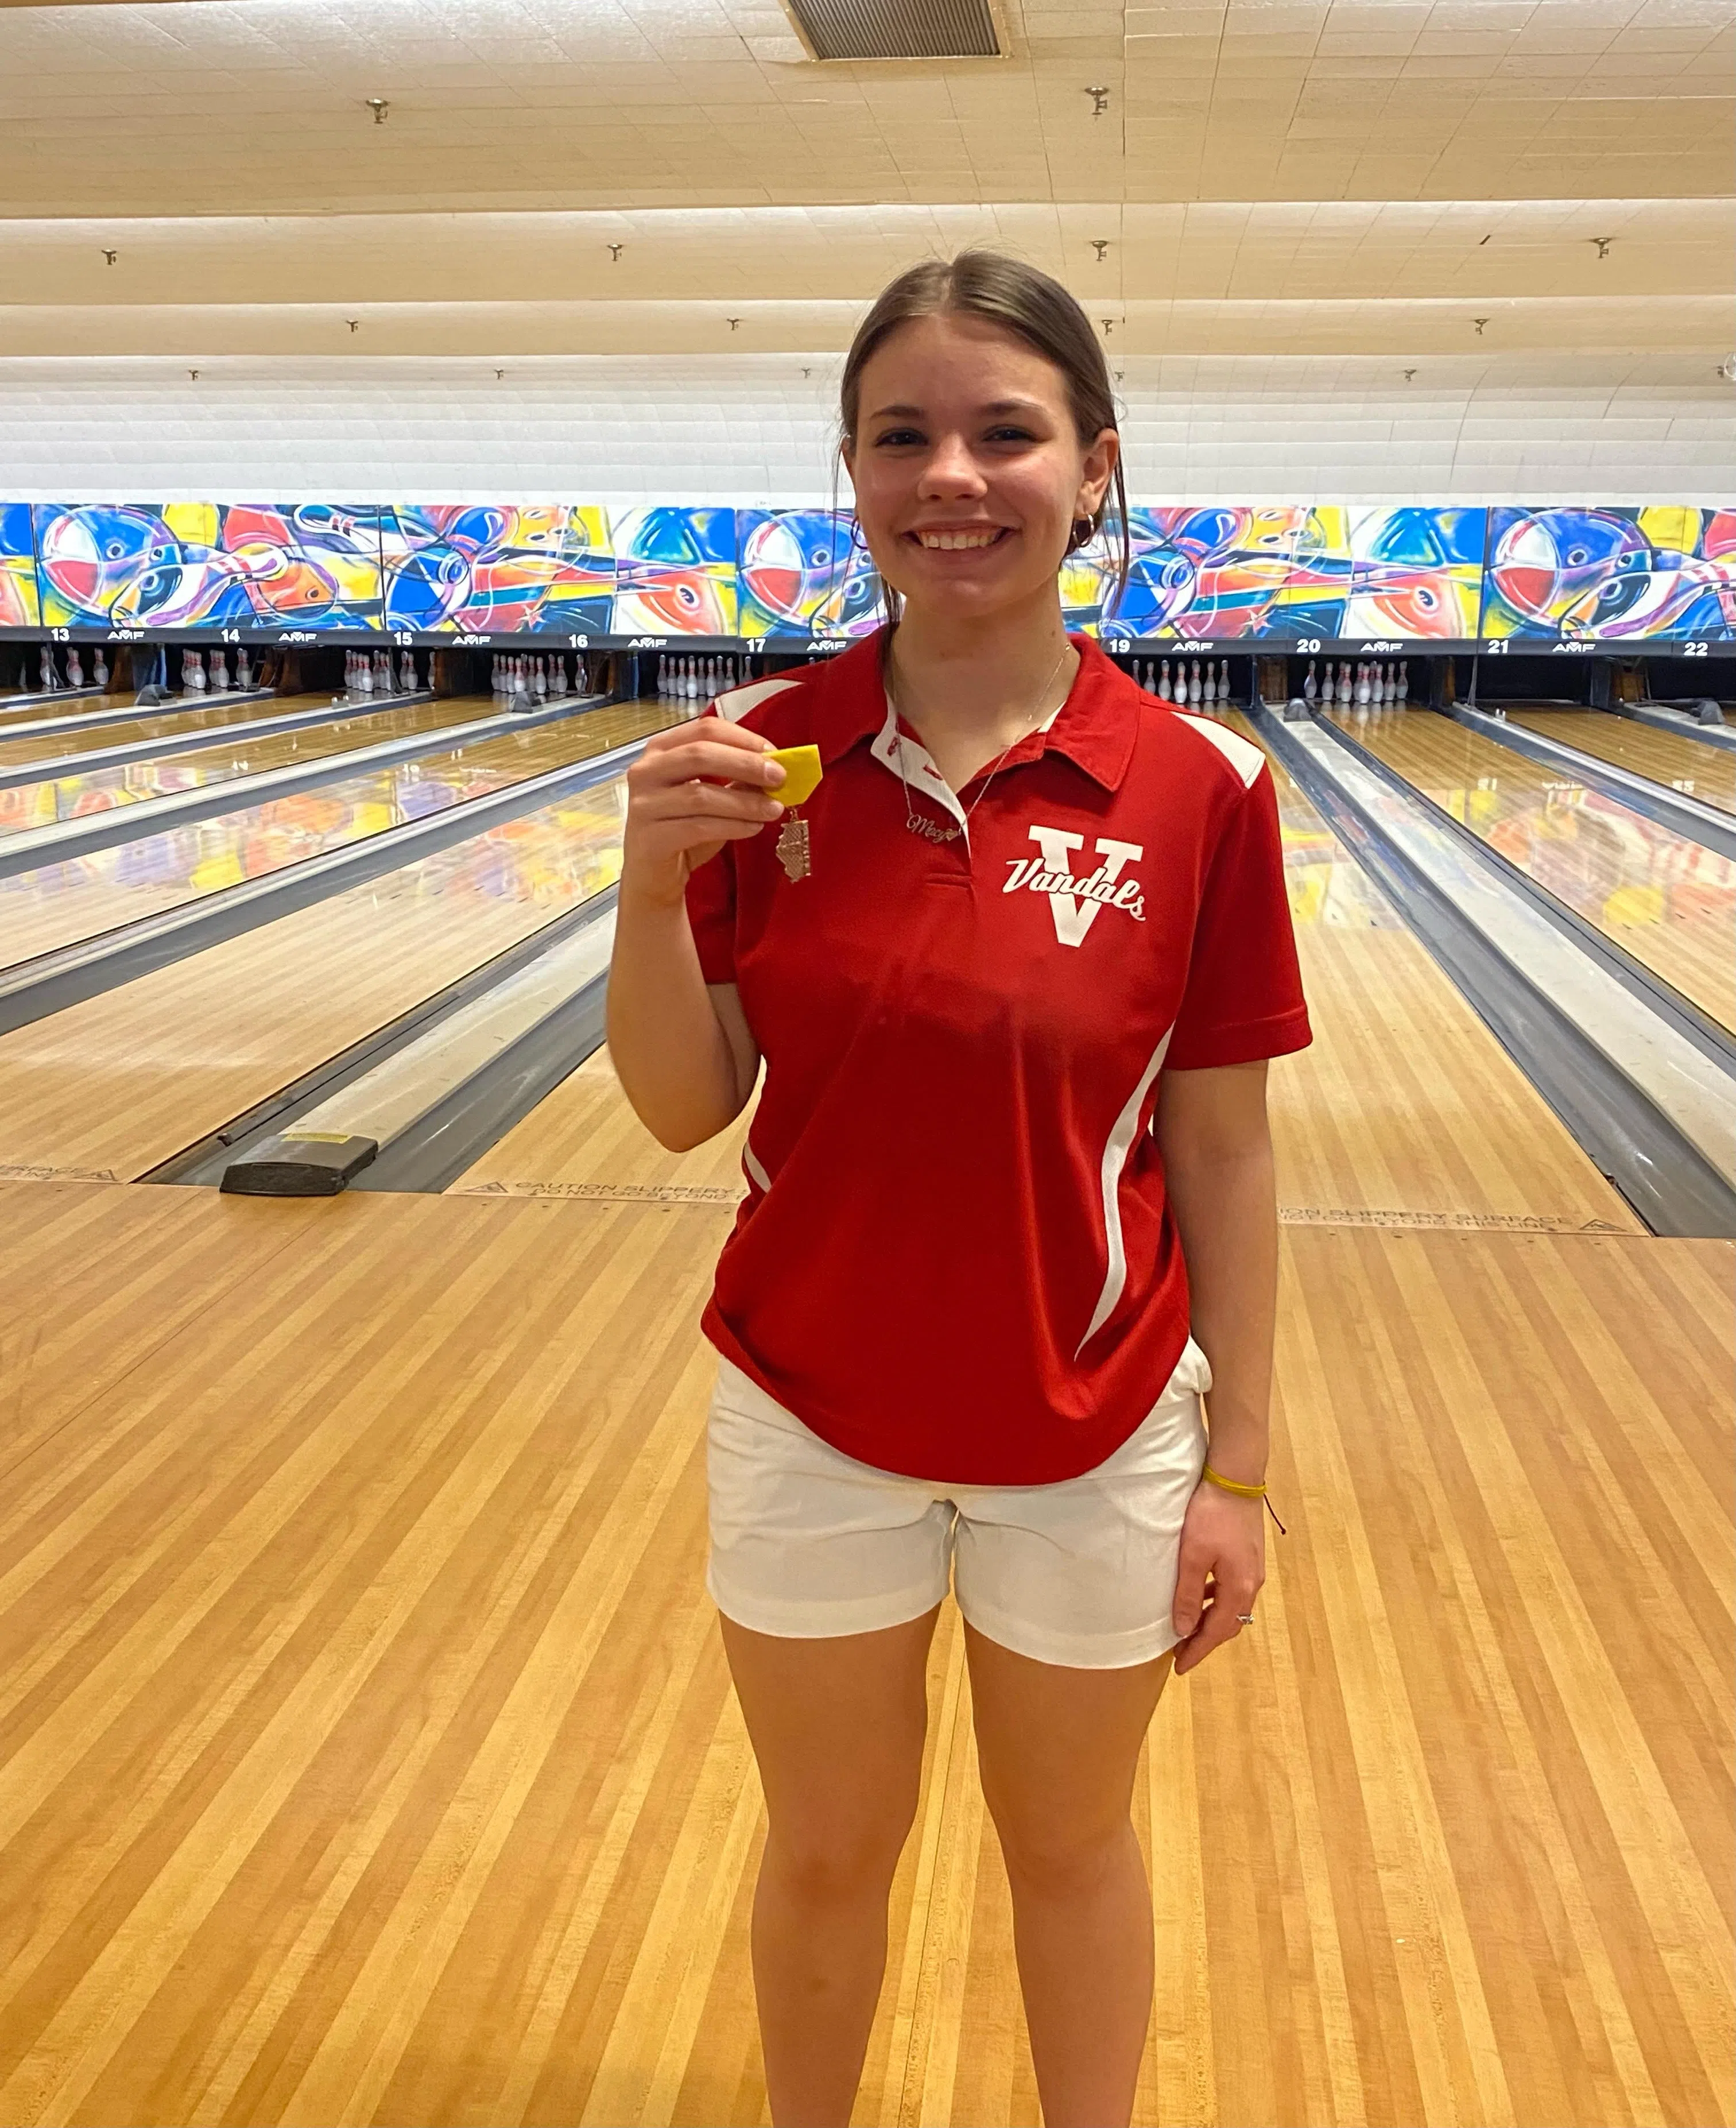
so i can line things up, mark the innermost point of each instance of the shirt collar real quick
(1095, 728)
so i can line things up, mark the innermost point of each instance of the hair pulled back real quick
(1037, 310)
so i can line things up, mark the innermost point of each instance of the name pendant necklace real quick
(931, 831)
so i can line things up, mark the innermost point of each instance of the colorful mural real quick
(498, 567)
(1205, 574)
(1217, 573)
(20, 606)
(167, 565)
(801, 573)
(1611, 574)
(675, 570)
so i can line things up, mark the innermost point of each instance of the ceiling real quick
(1266, 178)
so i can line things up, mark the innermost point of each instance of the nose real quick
(950, 472)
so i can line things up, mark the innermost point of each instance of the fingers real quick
(705, 803)
(1190, 1586)
(713, 749)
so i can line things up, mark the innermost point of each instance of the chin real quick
(970, 598)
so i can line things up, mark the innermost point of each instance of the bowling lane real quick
(1406, 1111)
(57, 904)
(1671, 758)
(123, 1082)
(1670, 902)
(97, 790)
(168, 721)
(26, 709)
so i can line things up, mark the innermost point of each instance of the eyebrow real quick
(993, 406)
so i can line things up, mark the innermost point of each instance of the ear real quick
(1101, 460)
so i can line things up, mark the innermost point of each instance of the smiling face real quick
(968, 472)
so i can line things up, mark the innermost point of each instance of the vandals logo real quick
(1075, 900)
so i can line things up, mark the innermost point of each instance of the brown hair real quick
(1038, 311)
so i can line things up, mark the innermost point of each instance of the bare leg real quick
(1058, 1749)
(837, 1726)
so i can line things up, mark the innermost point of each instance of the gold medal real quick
(802, 773)
(792, 847)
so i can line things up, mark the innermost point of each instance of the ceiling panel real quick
(163, 108)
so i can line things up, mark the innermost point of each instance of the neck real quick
(976, 676)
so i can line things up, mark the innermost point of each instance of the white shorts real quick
(807, 1542)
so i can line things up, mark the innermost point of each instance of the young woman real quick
(1014, 971)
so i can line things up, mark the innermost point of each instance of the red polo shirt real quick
(956, 1259)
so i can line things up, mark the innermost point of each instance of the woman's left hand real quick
(1224, 1539)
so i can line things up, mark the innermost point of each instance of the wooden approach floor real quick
(367, 1751)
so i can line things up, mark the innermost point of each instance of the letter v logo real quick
(1074, 903)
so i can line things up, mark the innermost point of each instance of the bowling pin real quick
(1310, 686)
(244, 670)
(1193, 683)
(1164, 693)
(1403, 691)
(45, 669)
(99, 667)
(75, 667)
(1392, 684)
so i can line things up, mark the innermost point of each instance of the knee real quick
(835, 1862)
(1061, 1862)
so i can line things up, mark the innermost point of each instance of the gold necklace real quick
(931, 830)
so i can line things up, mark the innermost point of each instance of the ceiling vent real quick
(896, 29)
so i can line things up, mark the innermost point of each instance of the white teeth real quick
(949, 542)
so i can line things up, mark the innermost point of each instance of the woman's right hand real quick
(694, 788)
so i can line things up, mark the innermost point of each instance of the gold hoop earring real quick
(1085, 530)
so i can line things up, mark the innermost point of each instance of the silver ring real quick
(1244, 1617)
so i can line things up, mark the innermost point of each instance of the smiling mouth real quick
(961, 540)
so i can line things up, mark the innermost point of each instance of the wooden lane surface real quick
(121, 1082)
(1706, 772)
(19, 710)
(367, 1751)
(58, 904)
(182, 714)
(1671, 902)
(38, 804)
(1405, 1110)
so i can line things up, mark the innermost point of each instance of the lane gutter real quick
(52, 766)
(1674, 809)
(177, 705)
(90, 832)
(32, 990)
(1518, 969)
(1676, 720)
(430, 1090)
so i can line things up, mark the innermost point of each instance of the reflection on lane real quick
(57, 904)
(72, 797)
(1706, 772)
(1670, 903)
(160, 723)
(1325, 883)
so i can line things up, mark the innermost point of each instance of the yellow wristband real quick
(1230, 1485)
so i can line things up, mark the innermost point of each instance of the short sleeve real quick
(711, 914)
(1243, 995)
